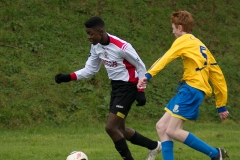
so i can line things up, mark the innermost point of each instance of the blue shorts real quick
(185, 104)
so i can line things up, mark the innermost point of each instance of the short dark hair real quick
(94, 22)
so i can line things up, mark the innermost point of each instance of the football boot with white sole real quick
(153, 153)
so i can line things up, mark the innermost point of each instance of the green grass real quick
(40, 38)
(46, 143)
(42, 120)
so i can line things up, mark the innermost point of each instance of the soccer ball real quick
(77, 155)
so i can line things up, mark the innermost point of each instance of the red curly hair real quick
(183, 18)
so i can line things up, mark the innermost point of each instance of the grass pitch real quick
(47, 143)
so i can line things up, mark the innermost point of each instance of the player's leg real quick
(185, 106)
(112, 128)
(127, 132)
(136, 138)
(174, 129)
(166, 141)
(176, 132)
(123, 95)
(161, 127)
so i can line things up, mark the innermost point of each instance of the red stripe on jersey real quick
(131, 71)
(118, 43)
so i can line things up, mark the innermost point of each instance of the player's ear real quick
(180, 28)
(101, 31)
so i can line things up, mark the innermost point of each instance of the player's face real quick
(94, 35)
(177, 30)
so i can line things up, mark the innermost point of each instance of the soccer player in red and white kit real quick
(124, 68)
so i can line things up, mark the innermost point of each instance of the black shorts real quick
(123, 95)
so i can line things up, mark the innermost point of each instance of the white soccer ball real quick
(77, 155)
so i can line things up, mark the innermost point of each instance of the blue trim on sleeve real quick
(149, 76)
(221, 109)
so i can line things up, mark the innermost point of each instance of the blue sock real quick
(167, 150)
(197, 144)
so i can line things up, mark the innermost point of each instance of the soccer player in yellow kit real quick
(199, 67)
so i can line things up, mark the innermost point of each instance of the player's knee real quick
(161, 127)
(122, 131)
(172, 133)
(109, 129)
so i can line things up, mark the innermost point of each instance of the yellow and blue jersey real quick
(199, 67)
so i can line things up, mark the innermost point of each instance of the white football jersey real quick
(119, 58)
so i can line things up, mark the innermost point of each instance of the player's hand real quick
(142, 83)
(62, 78)
(141, 99)
(223, 115)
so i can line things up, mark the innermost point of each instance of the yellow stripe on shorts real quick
(175, 115)
(119, 114)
